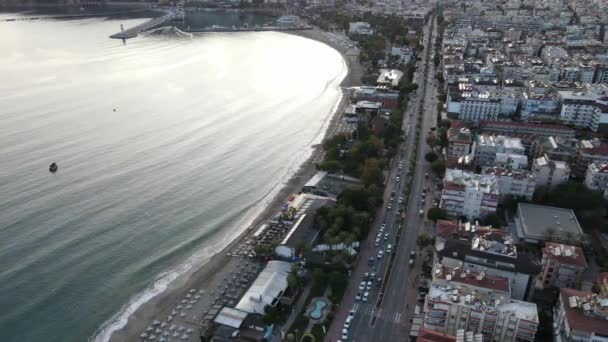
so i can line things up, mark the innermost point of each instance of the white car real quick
(369, 285)
(345, 334)
(358, 296)
(365, 296)
(380, 254)
(351, 314)
(377, 243)
(362, 286)
(347, 322)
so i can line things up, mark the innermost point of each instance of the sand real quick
(210, 274)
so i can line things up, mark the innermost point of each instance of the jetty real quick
(145, 26)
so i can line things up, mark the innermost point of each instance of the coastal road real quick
(384, 316)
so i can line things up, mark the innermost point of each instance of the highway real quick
(386, 314)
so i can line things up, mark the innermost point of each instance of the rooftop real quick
(585, 311)
(469, 296)
(565, 254)
(230, 317)
(468, 277)
(500, 172)
(597, 167)
(495, 140)
(267, 288)
(538, 219)
(391, 76)
(485, 183)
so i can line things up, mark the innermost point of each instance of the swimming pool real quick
(319, 305)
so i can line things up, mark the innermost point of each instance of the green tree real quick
(331, 166)
(372, 173)
(432, 141)
(435, 214)
(430, 157)
(424, 240)
(438, 167)
(492, 220)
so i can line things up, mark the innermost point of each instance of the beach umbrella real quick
(144, 335)
(197, 297)
(179, 306)
(172, 327)
(163, 324)
(165, 333)
(156, 322)
(181, 328)
(152, 337)
(158, 331)
(184, 301)
(184, 337)
(192, 302)
(201, 291)
(169, 318)
(189, 331)
(176, 334)
(162, 339)
(188, 306)
(173, 312)
(188, 295)
(149, 329)
(183, 314)
(192, 290)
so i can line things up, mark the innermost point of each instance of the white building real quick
(470, 106)
(517, 183)
(480, 303)
(404, 53)
(488, 146)
(596, 177)
(360, 28)
(550, 173)
(390, 77)
(511, 161)
(580, 316)
(469, 194)
(587, 109)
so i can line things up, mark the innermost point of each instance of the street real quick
(386, 314)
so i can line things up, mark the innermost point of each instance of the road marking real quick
(398, 317)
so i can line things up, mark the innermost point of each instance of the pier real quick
(143, 27)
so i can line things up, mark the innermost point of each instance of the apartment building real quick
(462, 299)
(580, 316)
(483, 248)
(488, 146)
(596, 177)
(526, 128)
(459, 142)
(550, 173)
(468, 105)
(588, 109)
(589, 151)
(516, 183)
(469, 194)
(562, 266)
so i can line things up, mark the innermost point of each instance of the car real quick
(380, 254)
(365, 275)
(358, 296)
(400, 200)
(347, 322)
(389, 207)
(369, 285)
(351, 314)
(372, 276)
(400, 167)
(426, 175)
(382, 226)
(370, 262)
(386, 235)
(365, 296)
(397, 179)
(345, 334)
(362, 286)
(377, 243)
(389, 248)
(411, 262)
(412, 254)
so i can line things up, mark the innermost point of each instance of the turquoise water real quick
(166, 148)
(317, 312)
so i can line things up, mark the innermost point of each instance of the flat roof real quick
(230, 317)
(266, 288)
(538, 219)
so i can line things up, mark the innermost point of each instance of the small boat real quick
(53, 168)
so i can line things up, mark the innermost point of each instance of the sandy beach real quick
(210, 274)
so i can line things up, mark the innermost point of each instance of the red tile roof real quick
(577, 319)
(425, 335)
(576, 259)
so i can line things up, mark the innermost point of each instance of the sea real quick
(167, 147)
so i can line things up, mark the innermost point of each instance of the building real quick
(516, 183)
(469, 194)
(596, 177)
(589, 151)
(525, 128)
(555, 147)
(404, 54)
(511, 161)
(588, 109)
(488, 146)
(580, 316)
(562, 266)
(463, 299)
(389, 77)
(483, 248)
(388, 98)
(459, 142)
(550, 173)
(360, 28)
(472, 106)
(536, 223)
(303, 229)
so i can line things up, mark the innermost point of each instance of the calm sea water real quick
(167, 148)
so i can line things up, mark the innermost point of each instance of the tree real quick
(435, 214)
(424, 240)
(331, 166)
(432, 141)
(430, 157)
(438, 167)
(372, 173)
(492, 220)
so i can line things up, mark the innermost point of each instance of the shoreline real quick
(204, 275)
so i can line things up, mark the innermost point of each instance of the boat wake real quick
(171, 31)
